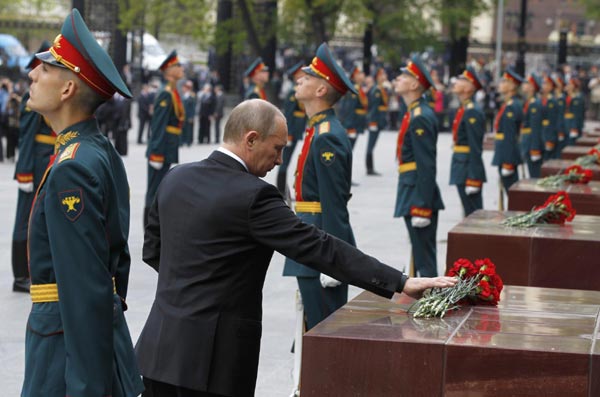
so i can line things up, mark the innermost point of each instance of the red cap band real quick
(171, 62)
(324, 72)
(532, 81)
(469, 76)
(416, 73)
(66, 54)
(508, 76)
(257, 69)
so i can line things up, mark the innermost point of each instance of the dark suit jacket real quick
(213, 229)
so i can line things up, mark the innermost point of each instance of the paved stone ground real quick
(371, 210)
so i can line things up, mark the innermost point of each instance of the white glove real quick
(419, 221)
(506, 172)
(573, 133)
(26, 187)
(373, 128)
(157, 165)
(472, 190)
(536, 157)
(328, 282)
(561, 137)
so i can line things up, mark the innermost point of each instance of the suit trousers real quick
(320, 302)
(470, 202)
(424, 249)
(159, 389)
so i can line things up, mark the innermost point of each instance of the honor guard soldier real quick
(166, 126)
(36, 145)
(377, 116)
(560, 97)
(418, 199)
(258, 74)
(323, 179)
(296, 123)
(353, 107)
(574, 110)
(506, 127)
(549, 118)
(532, 144)
(467, 171)
(77, 341)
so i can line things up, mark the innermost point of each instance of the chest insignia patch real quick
(327, 157)
(509, 114)
(71, 203)
(163, 103)
(472, 120)
(419, 131)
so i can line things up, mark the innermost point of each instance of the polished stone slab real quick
(573, 152)
(555, 166)
(553, 256)
(588, 141)
(537, 342)
(525, 194)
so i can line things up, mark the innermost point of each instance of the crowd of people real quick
(212, 226)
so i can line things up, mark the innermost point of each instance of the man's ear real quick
(250, 138)
(321, 91)
(69, 89)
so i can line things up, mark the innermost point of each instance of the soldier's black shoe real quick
(21, 284)
(373, 173)
(354, 183)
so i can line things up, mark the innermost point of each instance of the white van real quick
(152, 56)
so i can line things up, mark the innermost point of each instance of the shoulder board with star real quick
(470, 105)
(510, 102)
(68, 153)
(168, 88)
(324, 127)
(417, 111)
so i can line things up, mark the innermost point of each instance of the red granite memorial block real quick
(525, 194)
(553, 167)
(587, 141)
(554, 256)
(537, 342)
(573, 152)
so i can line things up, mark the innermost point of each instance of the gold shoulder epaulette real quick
(470, 105)
(417, 111)
(324, 127)
(68, 153)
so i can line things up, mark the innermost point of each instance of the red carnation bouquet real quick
(591, 158)
(557, 209)
(573, 174)
(478, 284)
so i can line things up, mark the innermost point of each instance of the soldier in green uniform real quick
(36, 145)
(77, 342)
(549, 118)
(296, 123)
(466, 170)
(507, 124)
(376, 116)
(559, 97)
(418, 199)
(258, 74)
(574, 110)
(323, 179)
(166, 126)
(353, 107)
(532, 145)
(189, 107)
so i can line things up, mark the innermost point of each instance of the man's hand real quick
(472, 190)
(414, 287)
(419, 221)
(328, 282)
(26, 187)
(157, 165)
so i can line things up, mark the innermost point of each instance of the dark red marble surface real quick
(573, 152)
(587, 141)
(525, 194)
(552, 167)
(537, 342)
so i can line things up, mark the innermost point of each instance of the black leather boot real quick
(370, 170)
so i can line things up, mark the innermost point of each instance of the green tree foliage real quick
(592, 8)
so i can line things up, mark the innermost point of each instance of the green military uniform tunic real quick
(574, 117)
(550, 126)
(255, 92)
(323, 182)
(561, 132)
(77, 341)
(353, 113)
(532, 143)
(36, 145)
(506, 149)
(377, 120)
(466, 168)
(418, 193)
(163, 146)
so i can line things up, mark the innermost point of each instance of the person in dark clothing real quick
(206, 100)
(219, 110)
(145, 102)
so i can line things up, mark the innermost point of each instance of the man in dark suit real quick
(212, 243)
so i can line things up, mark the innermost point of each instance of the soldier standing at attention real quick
(296, 123)
(77, 342)
(549, 118)
(418, 199)
(574, 110)
(532, 145)
(36, 145)
(377, 116)
(467, 171)
(353, 107)
(506, 127)
(258, 75)
(323, 179)
(166, 124)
